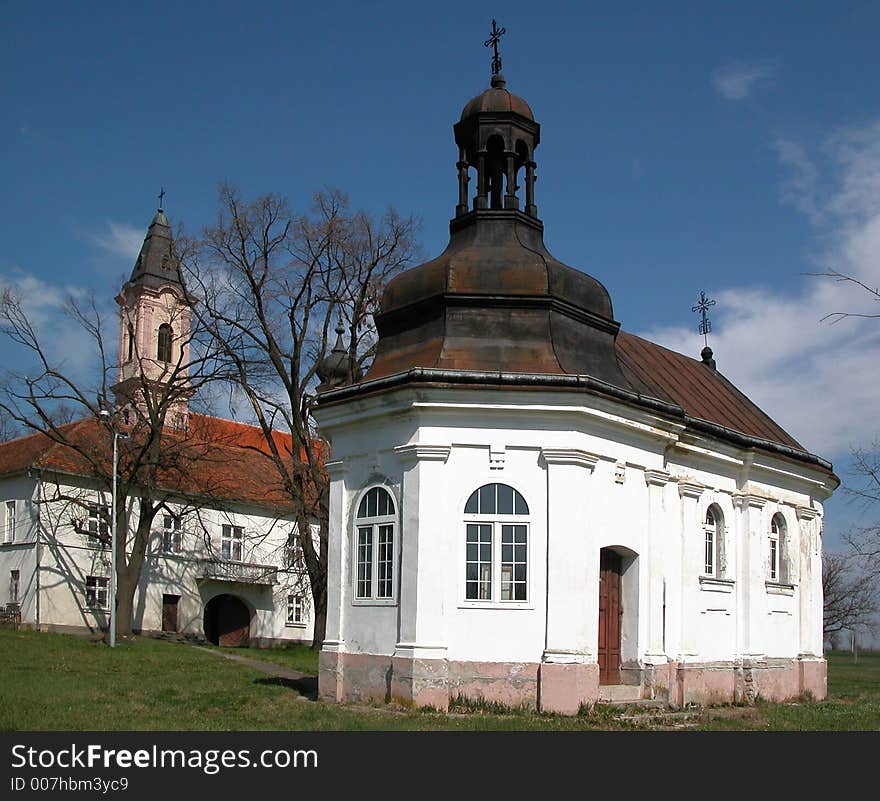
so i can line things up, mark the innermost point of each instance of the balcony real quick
(238, 572)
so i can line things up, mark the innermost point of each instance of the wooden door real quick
(609, 617)
(233, 622)
(169, 612)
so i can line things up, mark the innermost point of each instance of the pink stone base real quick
(561, 688)
(565, 688)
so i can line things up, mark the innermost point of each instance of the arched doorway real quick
(227, 622)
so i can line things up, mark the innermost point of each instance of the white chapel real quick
(531, 506)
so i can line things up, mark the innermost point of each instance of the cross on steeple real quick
(703, 307)
(492, 41)
(161, 198)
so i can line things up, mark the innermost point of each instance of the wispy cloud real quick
(738, 80)
(119, 239)
(818, 380)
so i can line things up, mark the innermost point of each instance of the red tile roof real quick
(221, 460)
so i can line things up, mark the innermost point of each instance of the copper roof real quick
(698, 389)
(497, 99)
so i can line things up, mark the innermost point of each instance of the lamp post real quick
(116, 437)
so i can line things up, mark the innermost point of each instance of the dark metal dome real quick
(497, 99)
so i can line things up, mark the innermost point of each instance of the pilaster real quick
(750, 578)
(569, 674)
(655, 653)
(810, 582)
(690, 493)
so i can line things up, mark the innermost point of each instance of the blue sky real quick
(685, 146)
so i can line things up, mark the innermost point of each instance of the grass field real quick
(64, 683)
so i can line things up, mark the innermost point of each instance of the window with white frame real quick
(171, 533)
(496, 545)
(374, 546)
(778, 532)
(9, 533)
(14, 586)
(97, 527)
(232, 543)
(295, 610)
(96, 592)
(713, 539)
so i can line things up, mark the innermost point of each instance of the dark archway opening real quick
(227, 622)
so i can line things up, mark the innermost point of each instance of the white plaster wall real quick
(65, 560)
(632, 501)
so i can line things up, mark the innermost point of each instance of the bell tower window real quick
(163, 350)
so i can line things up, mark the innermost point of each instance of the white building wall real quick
(599, 475)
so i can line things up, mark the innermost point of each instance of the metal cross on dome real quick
(161, 196)
(492, 42)
(705, 325)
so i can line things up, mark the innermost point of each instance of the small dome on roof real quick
(497, 99)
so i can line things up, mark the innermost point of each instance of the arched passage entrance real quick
(227, 622)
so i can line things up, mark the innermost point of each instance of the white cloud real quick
(819, 380)
(738, 80)
(120, 239)
(66, 343)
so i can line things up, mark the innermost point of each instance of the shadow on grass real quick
(306, 687)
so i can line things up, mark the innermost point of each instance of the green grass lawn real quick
(61, 682)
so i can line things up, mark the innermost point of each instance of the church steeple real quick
(154, 327)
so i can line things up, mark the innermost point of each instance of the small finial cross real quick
(705, 325)
(492, 42)
(161, 197)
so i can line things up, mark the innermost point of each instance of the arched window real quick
(713, 538)
(130, 341)
(374, 546)
(778, 531)
(163, 350)
(496, 545)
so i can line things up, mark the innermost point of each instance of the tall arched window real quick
(130, 341)
(713, 538)
(163, 349)
(496, 545)
(778, 531)
(374, 546)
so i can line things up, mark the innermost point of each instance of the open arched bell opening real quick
(227, 622)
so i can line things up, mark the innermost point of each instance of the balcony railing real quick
(241, 572)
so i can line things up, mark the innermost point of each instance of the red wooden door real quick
(233, 623)
(609, 617)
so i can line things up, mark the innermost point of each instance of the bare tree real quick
(156, 463)
(272, 285)
(852, 599)
(873, 293)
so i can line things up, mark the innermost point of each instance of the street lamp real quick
(116, 437)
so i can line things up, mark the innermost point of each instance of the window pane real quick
(385, 563)
(471, 507)
(487, 499)
(478, 571)
(520, 504)
(471, 552)
(362, 509)
(364, 562)
(514, 572)
(372, 502)
(505, 499)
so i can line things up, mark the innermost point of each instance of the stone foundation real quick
(560, 687)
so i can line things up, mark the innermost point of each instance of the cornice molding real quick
(570, 456)
(657, 478)
(690, 489)
(336, 468)
(806, 513)
(419, 452)
(745, 500)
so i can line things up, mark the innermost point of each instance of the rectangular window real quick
(774, 558)
(10, 521)
(14, 588)
(99, 531)
(232, 543)
(364, 562)
(710, 551)
(513, 563)
(171, 533)
(385, 561)
(295, 610)
(478, 582)
(96, 592)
